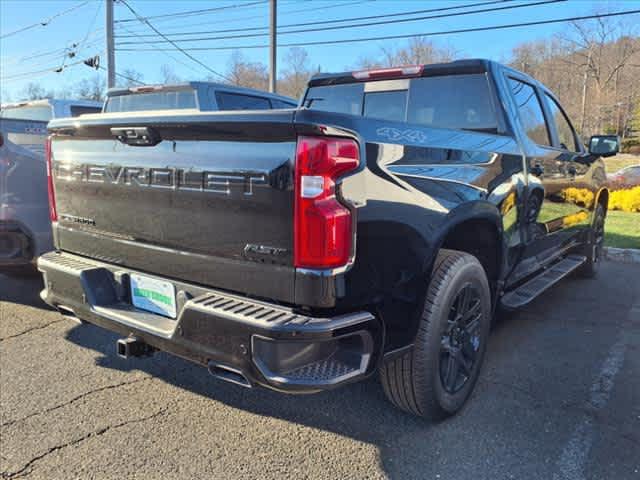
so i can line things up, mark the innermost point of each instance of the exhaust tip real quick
(228, 374)
(67, 312)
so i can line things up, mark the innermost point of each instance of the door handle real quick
(537, 170)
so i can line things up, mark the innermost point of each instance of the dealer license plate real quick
(153, 295)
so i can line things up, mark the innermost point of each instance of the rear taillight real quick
(53, 214)
(323, 235)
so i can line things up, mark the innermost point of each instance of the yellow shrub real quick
(578, 196)
(627, 200)
(574, 219)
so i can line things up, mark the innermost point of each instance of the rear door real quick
(550, 173)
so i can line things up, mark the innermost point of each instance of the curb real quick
(622, 255)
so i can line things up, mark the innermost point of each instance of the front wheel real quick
(437, 376)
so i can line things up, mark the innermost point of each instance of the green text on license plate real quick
(154, 295)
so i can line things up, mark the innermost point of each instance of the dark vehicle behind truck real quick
(376, 228)
(203, 96)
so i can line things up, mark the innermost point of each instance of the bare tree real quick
(168, 75)
(296, 73)
(92, 88)
(589, 68)
(247, 74)
(418, 51)
(35, 91)
(129, 78)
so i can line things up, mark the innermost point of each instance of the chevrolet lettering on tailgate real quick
(172, 178)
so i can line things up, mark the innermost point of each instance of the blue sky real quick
(87, 22)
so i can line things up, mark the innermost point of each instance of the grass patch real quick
(622, 230)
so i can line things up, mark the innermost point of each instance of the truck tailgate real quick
(207, 197)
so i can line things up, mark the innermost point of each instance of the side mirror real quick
(604, 145)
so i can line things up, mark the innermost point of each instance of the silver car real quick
(25, 228)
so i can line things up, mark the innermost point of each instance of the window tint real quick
(453, 101)
(41, 113)
(336, 98)
(280, 104)
(386, 105)
(77, 110)
(563, 126)
(234, 101)
(530, 112)
(165, 100)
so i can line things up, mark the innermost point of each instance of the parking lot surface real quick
(558, 398)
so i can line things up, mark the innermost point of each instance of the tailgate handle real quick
(137, 136)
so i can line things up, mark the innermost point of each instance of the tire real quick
(593, 249)
(419, 381)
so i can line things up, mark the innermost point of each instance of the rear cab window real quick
(160, 100)
(460, 101)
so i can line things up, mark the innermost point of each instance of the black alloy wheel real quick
(460, 341)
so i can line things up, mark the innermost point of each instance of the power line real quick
(341, 20)
(190, 13)
(124, 2)
(397, 37)
(53, 69)
(360, 25)
(283, 12)
(121, 75)
(175, 59)
(45, 22)
(82, 43)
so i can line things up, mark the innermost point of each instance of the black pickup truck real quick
(378, 227)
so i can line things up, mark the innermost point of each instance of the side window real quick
(563, 126)
(530, 112)
(277, 104)
(77, 110)
(234, 101)
(386, 105)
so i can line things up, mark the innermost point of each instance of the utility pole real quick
(272, 46)
(111, 57)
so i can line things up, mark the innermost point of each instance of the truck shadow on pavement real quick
(23, 289)
(359, 411)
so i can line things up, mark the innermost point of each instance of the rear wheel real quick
(438, 375)
(593, 248)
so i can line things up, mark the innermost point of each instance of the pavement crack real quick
(75, 399)
(25, 470)
(29, 330)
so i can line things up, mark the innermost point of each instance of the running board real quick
(534, 287)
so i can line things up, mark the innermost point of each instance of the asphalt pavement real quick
(558, 398)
